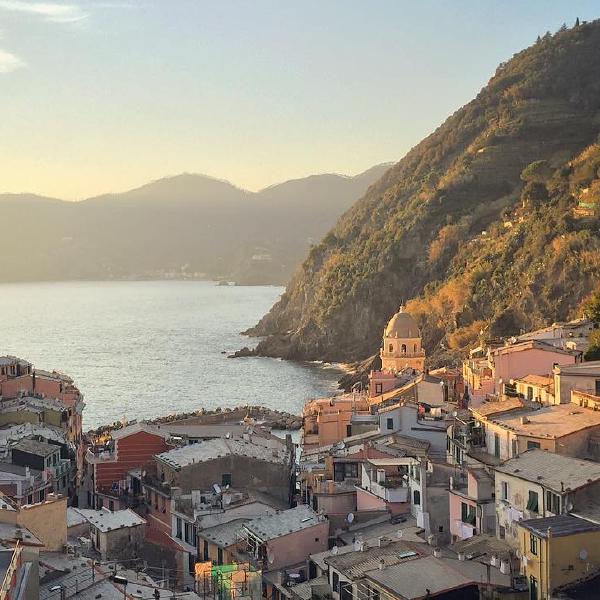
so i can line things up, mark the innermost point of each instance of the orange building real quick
(327, 420)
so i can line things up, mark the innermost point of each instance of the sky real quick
(103, 96)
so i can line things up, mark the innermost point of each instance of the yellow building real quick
(402, 344)
(557, 551)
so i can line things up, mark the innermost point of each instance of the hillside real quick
(475, 228)
(184, 226)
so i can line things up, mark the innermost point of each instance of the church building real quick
(402, 344)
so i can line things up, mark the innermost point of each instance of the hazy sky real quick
(104, 95)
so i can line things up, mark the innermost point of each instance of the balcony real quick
(390, 489)
(99, 454)
(162, 487)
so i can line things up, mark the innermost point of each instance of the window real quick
(30, 499)
(531, 445)
(178, 529)
(346, 591)
(532, 503)
(111, 505)
(533, 544)
(496, 445)
(391, 348)
(342, 471)
(504, 489)
(206, 554)
(390, 423)
(226, 479)
(416, 497)
(467, 513)
(529, 393)
(336, 582)
(553, 503)
(403, 349)
(515, 448)
(191, 564)
(220, 556)
(379, 388)
(533, 588)
(187, 532)
(597, 387)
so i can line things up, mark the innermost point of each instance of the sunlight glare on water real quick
(150, 348)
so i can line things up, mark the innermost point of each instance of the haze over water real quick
(150, 348)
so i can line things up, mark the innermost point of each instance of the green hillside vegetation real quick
(476, 228)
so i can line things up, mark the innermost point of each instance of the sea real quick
(143, 349)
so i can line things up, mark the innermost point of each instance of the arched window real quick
(391, 348)
(415, 348)
(403, 348)
(416, 497)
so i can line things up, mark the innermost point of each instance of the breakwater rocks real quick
(275, 419)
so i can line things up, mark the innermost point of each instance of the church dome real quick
(402, 325)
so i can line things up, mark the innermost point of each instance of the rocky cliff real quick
(476, 227)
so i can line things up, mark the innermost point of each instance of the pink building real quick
(381, 382)
(285, 539)
(532, 357)
(472, 508)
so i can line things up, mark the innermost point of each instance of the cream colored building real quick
(402, 344)
(510, 429)
(540, 484)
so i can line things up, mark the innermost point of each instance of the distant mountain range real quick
(183, 226)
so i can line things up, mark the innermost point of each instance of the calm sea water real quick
(145, 349)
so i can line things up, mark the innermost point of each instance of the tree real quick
(538, 170)
(592, 307)
(534, 194)
(593, 351)
(577, 22)
(563, 27)
(539, 39)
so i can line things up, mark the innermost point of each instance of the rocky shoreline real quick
(275, 419)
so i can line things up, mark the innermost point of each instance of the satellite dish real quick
(350, 517)
(217, 488)
(569, 507)
(583, 554)
(270, 557)
(335, 550)
(357, 545)
(399, 534)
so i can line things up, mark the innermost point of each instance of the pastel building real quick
(285, 539)
(540, 484)
(328, 420)
(531, 357)
(472, 508)
(557, 551)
